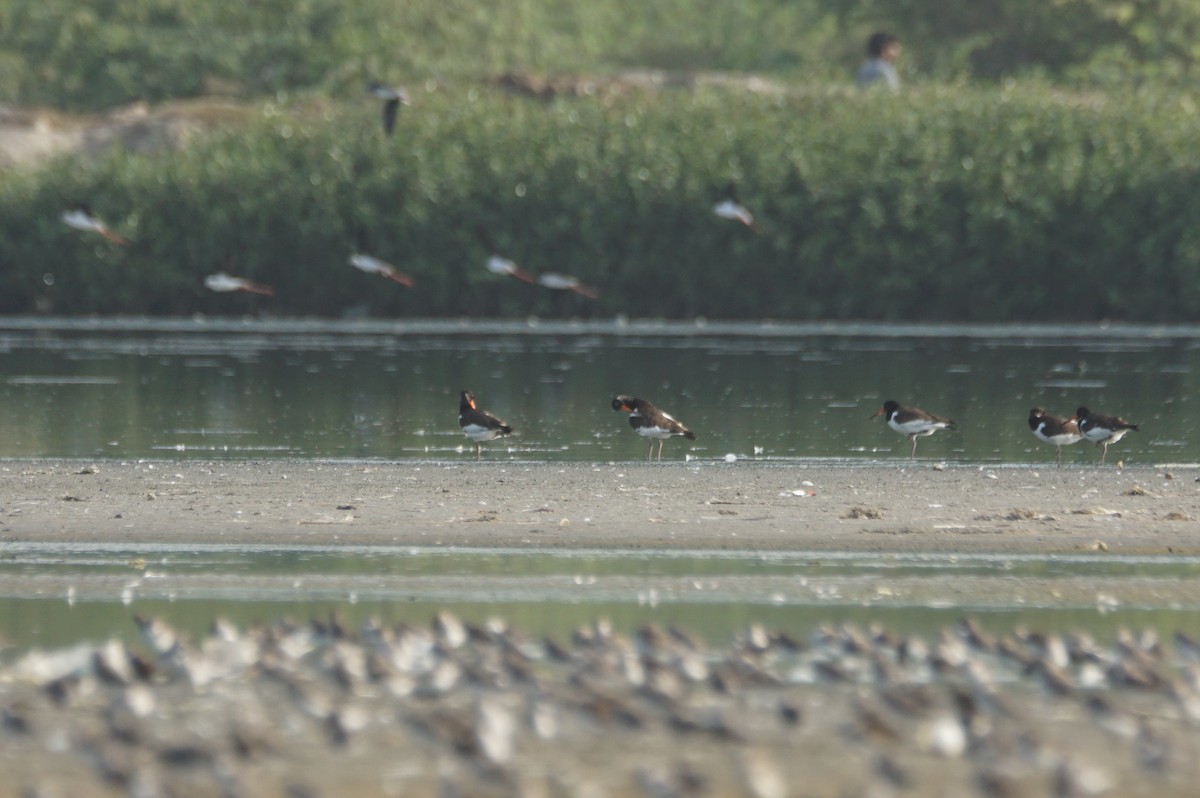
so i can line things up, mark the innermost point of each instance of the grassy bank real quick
(963, 204)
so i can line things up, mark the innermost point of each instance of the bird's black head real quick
(625, 403)
(466, 401)
(889, 407)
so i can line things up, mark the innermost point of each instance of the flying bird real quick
(224, 283)
(650, 422)
(479, 425)
(1054, 430)
(373, 265)
(563, 282)
(82, 218)
(503, 266)
(393, 97)
(1101, 429)
(730, 208)
(912, 421)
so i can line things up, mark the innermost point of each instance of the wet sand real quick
(317, 710)
(893, 506)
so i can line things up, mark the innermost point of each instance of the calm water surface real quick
(389, 391)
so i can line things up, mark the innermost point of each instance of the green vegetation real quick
(107, 52)
(1063, 191)
(948, 204)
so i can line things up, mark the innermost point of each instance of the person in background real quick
(882, 50)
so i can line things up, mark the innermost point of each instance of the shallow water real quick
(52, 595)
(204, 389)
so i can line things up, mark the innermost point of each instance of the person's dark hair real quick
(878, 41)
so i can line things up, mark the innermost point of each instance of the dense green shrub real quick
(106, 52)
(959, 204)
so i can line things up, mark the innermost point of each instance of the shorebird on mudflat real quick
(912, 421)
(82, 218)
(224, 283)
(373, 265)
(393, 97)
(564, 282)
(1054, 430)
(730, 208)
(1102, 430)
(479, 425)
(650, 422)
(500, 265)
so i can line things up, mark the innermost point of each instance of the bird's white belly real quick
(1099, 434)
(1063, 439)
(480, 434)
(661, 433)
(918, 428)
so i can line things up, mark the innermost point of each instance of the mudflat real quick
(902, 506)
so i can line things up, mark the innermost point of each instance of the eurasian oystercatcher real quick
(393, 97)
(478, 425)
(912, 421)
(499, 265)
(223, 283)
(650, 422)
(1102, 429)
(731, 208)
(82, 218)
(373, 265)
(1054, 430)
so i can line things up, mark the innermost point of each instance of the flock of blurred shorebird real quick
(84, 219)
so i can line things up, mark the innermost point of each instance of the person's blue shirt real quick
(877, 70)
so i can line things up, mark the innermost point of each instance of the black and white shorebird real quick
(731, 208)
(500, 265)
(479, 425)
(373, 265)
(650, 422)
(224, 283)
(81, 218)
(393, 97)
(1101, 429)
(912, 421)
(1054, 430)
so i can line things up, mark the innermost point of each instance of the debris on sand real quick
(871, 513)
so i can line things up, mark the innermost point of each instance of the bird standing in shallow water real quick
(912, 421)
(1102, 429)
(650, 422)
(393, 97)
(1054, 430)
(479, 425)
